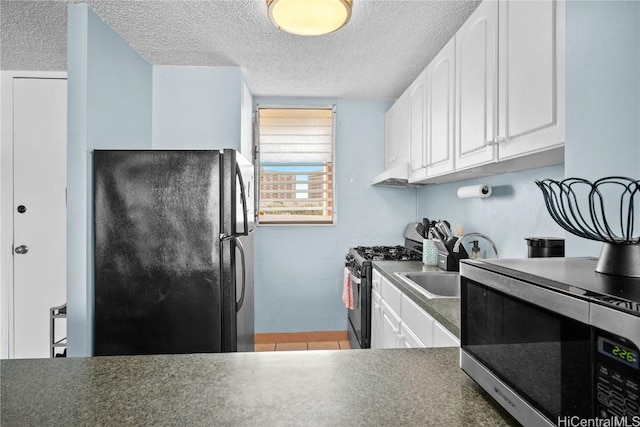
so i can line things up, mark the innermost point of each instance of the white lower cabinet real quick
(443, 338)
(416, 319)
(390, 327)
(376, 320)
(409, 339)
(397, 321)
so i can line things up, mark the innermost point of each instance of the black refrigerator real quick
(173, 252)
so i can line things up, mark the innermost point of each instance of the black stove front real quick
(358, 261)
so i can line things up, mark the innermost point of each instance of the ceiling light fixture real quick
(309, 17)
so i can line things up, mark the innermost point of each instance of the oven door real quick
(527, 346)
(358, 323)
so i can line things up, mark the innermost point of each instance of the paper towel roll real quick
(480, 190)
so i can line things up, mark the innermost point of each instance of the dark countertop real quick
(405, 387)
(445, 310)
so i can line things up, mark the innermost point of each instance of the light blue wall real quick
(196, 107)
(298, 280)
(603, 96)
(514, 211)
(109, 106)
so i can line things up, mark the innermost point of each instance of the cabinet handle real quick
(489, 142)
(500, 140)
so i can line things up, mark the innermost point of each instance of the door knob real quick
(22, 249)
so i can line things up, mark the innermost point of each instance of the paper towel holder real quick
(480, 190)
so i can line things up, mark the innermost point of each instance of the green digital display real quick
(618, 352)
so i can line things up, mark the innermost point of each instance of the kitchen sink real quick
(433, 284)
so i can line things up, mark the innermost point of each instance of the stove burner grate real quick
(388, 253)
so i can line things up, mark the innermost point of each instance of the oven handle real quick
(354, 279)
(557, 302)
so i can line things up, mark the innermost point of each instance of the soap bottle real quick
(475, 250)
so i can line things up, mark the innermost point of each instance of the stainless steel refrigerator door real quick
(237, 224)
(157, 252)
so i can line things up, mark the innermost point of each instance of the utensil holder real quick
(429, 252)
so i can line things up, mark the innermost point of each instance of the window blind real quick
(295, 166)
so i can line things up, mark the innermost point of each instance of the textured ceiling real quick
(377, 55)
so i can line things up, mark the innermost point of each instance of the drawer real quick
(409, 339)
(391, 295)
(420, 323)
(443, 338)
(376, 278)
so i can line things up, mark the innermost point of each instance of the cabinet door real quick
(396, 145)
(416, 319)
(389, 119)
(390, 327)
(409, 339)
(476, 80)
(376, 320)
(376, 279)
(441, 74)
(391, 295)
(531, 69)
(443, 338)
(417, 134)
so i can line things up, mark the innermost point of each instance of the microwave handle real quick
(557, 302)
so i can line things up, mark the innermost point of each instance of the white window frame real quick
(256, 156)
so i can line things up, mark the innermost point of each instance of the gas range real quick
(358, 262)
(359, 258)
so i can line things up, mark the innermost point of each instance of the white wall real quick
(109, 106)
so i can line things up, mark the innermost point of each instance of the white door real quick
(476, 81)
(417, 116)
(390, 327)
(376, 320)
(441, 74)
(396, 132)
(532, 53)
(39, 212)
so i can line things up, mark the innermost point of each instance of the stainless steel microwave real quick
(551, 340)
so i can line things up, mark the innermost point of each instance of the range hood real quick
(396, 176)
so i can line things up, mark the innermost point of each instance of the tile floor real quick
(311, 345)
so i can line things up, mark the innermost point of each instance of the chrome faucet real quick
(456, 247)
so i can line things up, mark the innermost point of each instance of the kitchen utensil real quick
(444, 229)
(426, 223)
(421, 230)
(610, 217)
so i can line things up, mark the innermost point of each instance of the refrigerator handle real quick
(243, 196)
(244, 274)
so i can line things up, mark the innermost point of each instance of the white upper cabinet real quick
(440, 113)
(397, 132)
(491, 101)
(531, 70)
(417, 132)
(476, 87)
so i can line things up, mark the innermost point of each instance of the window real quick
(295, 165)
